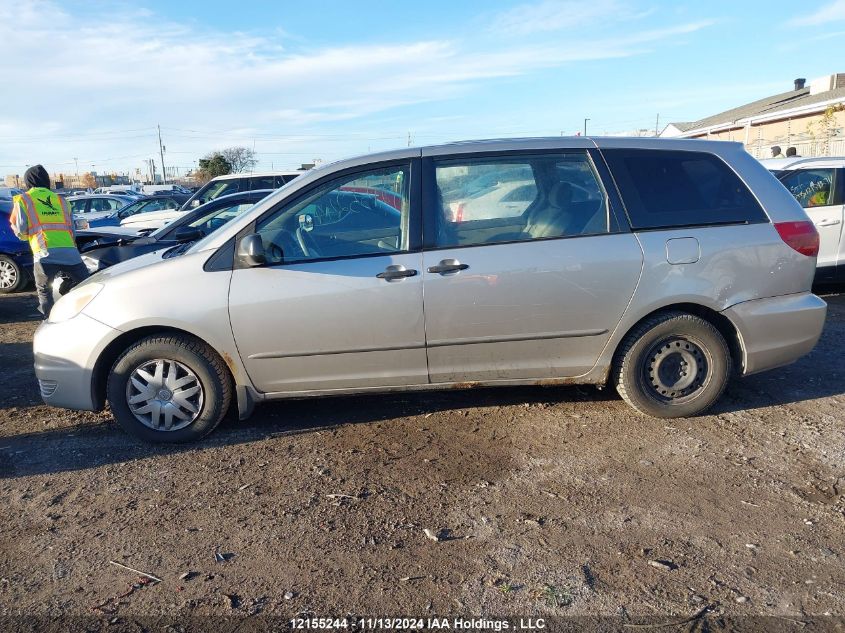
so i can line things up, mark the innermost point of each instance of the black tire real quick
(208, 369)
(12, 276)
(672, 365)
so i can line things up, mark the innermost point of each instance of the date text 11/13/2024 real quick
(417, 624)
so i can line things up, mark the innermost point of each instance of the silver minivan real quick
(662, 266)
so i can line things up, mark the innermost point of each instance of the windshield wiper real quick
(177, 250)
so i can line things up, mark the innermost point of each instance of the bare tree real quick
(240, 158)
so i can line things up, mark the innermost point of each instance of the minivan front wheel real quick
(672, 365)
(168, 389)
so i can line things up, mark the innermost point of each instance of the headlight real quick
(93, 265)
(74, 302)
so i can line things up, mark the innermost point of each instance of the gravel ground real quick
(546, 502)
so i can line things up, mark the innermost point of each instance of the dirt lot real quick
(551, 501)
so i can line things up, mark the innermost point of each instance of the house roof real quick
(764, 107)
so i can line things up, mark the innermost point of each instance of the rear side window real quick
(78, 206)
(262, 182)
(518, 198)
(664, 189)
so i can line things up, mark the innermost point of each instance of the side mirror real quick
(188, 234)
(251, 250)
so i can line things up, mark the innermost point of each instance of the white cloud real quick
(95, 87)
(830, 12)
(556, 15)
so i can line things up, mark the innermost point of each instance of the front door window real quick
(361, 214)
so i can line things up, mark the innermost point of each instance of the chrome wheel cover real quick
(8, 274)
(164, 395)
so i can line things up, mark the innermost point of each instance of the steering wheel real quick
(307, 243)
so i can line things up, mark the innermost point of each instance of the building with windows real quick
(810, 118)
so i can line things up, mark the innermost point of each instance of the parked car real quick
(233, 183)
(96, 206)
(145, 204)
(692, 264)
(818, 185)
(152, 220)
(7, 193)
(158, 189)
(105, 249)
(15, 255)
(121, 190)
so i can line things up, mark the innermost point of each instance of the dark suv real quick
(235, 183)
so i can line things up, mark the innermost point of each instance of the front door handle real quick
(397, 271)
(448, 266)
(828, 223)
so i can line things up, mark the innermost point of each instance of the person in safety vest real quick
(44, 219)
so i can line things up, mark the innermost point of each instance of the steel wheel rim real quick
(164, 395)
(676, 369)
(8, 275)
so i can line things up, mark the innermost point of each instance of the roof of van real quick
(536, 143)
(259, 174)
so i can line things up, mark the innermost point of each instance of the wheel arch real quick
(120, 344)
(718, 320)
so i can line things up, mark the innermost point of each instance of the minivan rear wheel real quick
(672, 365)
(169, 389)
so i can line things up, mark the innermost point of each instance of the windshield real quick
(148, 204)
(207, 222)
(212, 190)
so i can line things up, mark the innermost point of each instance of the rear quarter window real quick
(665, 189)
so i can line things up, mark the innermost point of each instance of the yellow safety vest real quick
(49, 219)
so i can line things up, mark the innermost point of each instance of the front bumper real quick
(65, 355)
(777, 331)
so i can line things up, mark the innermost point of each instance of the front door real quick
(339, 304)
(526, 272)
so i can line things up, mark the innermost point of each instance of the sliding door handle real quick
(396, 272)
(448, 266)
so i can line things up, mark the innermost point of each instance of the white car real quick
(819, 186)
(96, 207)
(152, 220)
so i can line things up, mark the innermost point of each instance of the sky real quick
(87, 83)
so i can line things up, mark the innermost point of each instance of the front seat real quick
(551, 219)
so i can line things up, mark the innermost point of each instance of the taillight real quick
(801, 236)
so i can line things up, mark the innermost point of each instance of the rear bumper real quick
(777, 330)
(65, 354)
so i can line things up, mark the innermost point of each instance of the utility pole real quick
(657, 124)
(161, 149)
(585, 126)
(409, 138)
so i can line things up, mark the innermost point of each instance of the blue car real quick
(15, 256)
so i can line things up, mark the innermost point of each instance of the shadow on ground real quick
(91, 445)
(19, 307)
